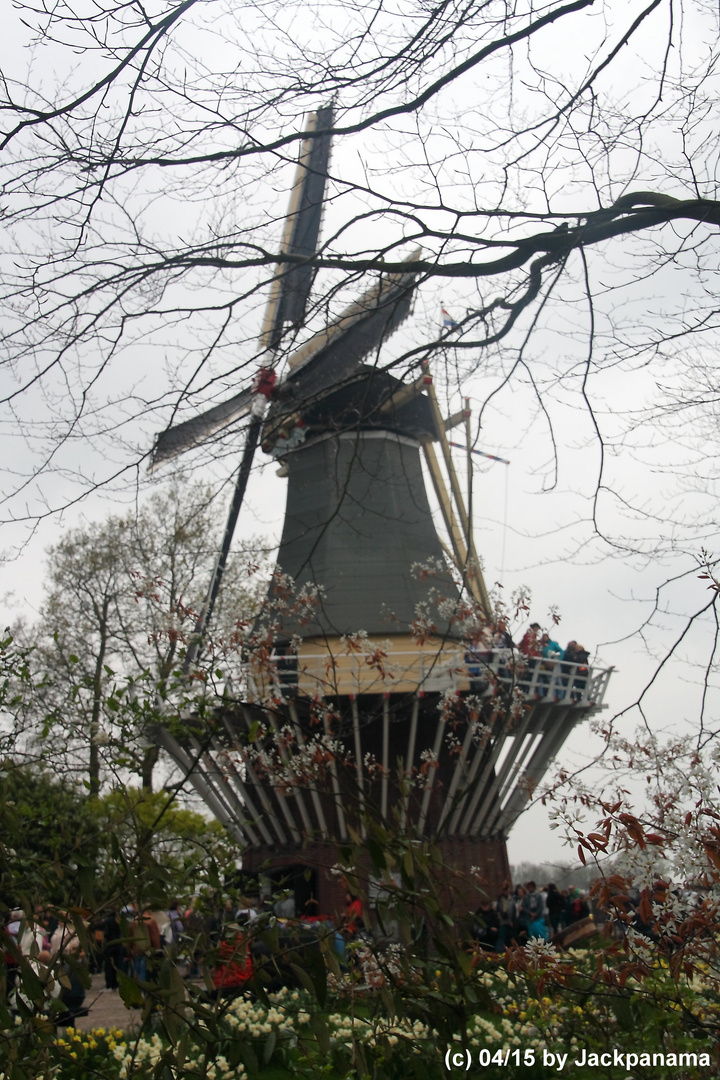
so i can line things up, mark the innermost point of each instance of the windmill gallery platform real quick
(373, 691)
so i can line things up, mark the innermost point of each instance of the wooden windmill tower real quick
(367, 667)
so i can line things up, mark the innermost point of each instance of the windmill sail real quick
(374, 316)
(337, 352)
(289, 292)
(327, 358)
(291, 285)
(176, 440)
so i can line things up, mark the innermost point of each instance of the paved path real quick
(106, 1009)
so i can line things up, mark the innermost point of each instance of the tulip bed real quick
(523, 1024)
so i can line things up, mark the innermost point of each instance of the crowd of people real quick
(136, 940)
(526, 912)
(60, 948)
(537, 663)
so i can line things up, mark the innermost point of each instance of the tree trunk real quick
(94, 757)
(149, 761)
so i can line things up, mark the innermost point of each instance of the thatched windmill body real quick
(367, 668)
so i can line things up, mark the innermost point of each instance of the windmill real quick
(372, 658)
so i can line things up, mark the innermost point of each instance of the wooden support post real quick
(507, 777)
(409, 760)
(286, 762)
(336, 787)
(225, 795)
(313, 792)
(456, 418)
(430, 780)
(279, 794)
(470, 565)
(456, 540)
(359, 764)
(492, 777)
(385, 758)
(543, 753)
(461, 766)
(194, 773)
(252, 781)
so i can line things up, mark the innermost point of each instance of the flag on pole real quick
(447, 319)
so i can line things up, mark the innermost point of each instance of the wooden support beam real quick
(489, 784)
(359, 764)
(385, 758)
(406, 393)
(459, 550)
(223, 795)
(336, 786)
(244, 806)
(442, 721)
(252, 780)
(471, 564)
(548, 748)
(286, 762)
(461, 766)
(458, 417)
(412, 737)
(279, 794)
(510, 773)
(193, 772)
(474, 787)
(313, 791)
(467, 567)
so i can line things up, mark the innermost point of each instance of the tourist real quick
(353, 922)
(64, 941)
(145, 944)
(507, 916)
(556, 907)
(486, 926)
(578, 907)
(530, 643)
(577, 655)
(114, 952)
(550, 652)
(533, 912)
(175, 923)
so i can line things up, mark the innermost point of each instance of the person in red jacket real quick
(530, 644)
(234, 967)
(354, 921)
